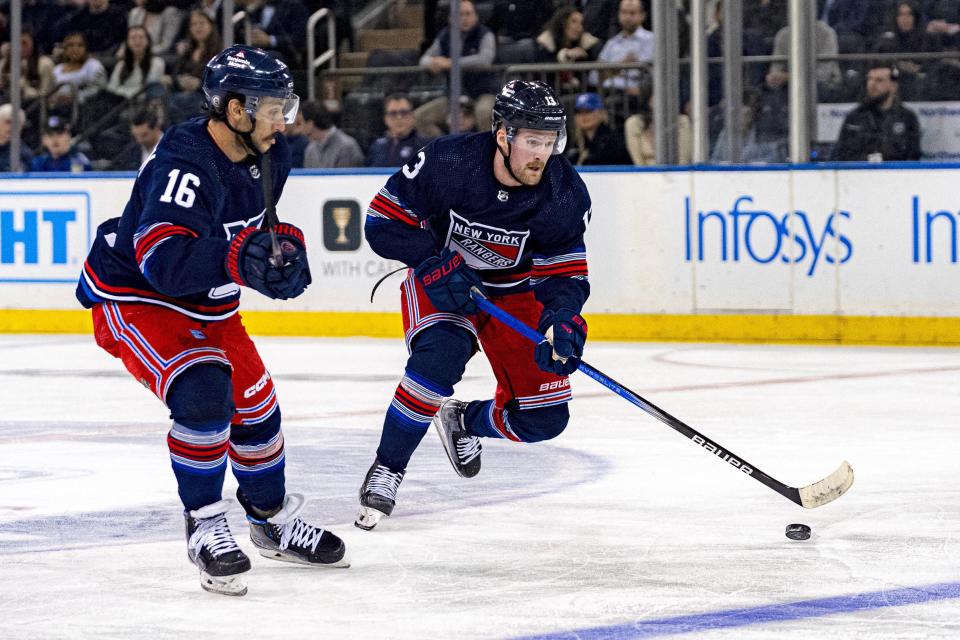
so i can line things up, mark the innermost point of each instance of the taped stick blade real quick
(829, 489)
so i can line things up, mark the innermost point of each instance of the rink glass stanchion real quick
(813, 495)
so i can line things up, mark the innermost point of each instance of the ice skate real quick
(211, 547)
(378, 495)
(286, 537)
(462, 448)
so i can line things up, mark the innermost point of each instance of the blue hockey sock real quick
(478, 419)
(415, 402)
(199, 459)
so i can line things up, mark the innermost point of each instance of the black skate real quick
(378, 495)
(286, 537)
(211, 547)
(462, 448)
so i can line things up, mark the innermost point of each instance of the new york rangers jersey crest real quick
(483, 246)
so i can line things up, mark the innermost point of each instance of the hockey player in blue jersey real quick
(163, 282)
(502, 211)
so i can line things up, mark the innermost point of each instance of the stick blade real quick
(829, 489)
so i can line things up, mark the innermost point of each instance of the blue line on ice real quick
(763, 614)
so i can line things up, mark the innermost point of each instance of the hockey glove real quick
(447, 280)
(248, 262)
(566, 334)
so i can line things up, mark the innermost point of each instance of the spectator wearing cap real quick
(632, 44)
(594, 141)
(329, 147)
(59, 155)
(401, 140)
(880, 128)
(6, 134)
(146, 132)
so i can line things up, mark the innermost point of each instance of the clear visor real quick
(539, 142)
(273, 110)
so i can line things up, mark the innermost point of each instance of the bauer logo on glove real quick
(566, 333)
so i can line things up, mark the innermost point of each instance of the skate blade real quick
(368, 518)
(223, 585)
(273, 554)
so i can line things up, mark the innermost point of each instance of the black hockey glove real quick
(248, 262)
(447, 280)
(566, 334)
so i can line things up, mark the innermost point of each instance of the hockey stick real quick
(814, 495)
(270, 209)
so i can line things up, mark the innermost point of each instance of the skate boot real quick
(378, 495)
(286, 537)
(462, 448)
(211, 547)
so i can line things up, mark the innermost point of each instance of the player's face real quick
(272, 115)
(529, 154)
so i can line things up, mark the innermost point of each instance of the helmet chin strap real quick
(245, 136)
(505, 157)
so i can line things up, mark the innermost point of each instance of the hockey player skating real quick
(163, 282)
(504, 212)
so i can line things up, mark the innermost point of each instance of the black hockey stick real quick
(270, 209)
(813, 495)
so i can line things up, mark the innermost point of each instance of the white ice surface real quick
(618, 523)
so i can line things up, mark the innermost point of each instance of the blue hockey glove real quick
(566, 334)
(248, 262)
(447, 280)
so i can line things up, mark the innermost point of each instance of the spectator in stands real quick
(162, 21)
(6, 132)
(329, 147)
(594, 141)
(202, 43)
(632, 44)
(828, 74)
(908, 34)
(41, 17)
(146, 131)
(762, 19)
(79, 69)
(401, 140)
(880, 128)
(138, 68)
(36, 70)
(753, 45)
(857, 23)
(280, 27)
(479, 48)
(599, 16)
(59, 155)
(641, 137)
(514, 20)
(468, 117)
(102, 25)
(297, 139)
(565, 40)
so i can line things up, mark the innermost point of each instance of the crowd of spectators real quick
(142, 61)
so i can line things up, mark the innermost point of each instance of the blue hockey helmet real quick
(523, 104)
(254, 74)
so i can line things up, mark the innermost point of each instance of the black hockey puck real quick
(798, 532)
